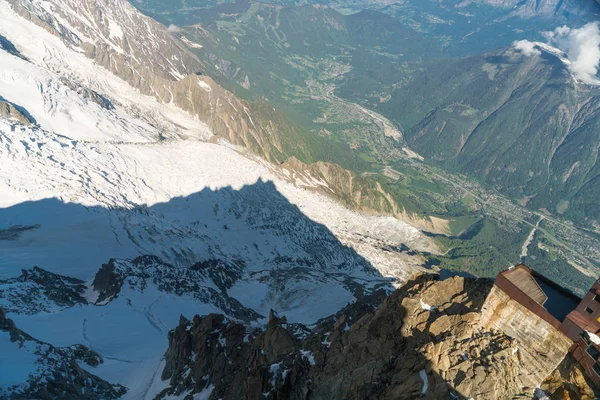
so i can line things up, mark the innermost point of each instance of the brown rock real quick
(569, 381)
(440, 326)
(10, 111)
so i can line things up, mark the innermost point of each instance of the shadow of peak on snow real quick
(254, 226)
(10, 48)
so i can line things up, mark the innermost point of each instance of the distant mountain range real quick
(523, 125)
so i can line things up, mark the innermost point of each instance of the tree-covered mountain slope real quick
(521, 124)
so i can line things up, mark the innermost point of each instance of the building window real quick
(594, 352)
(589, 310)
(597, 298)
(596, 368)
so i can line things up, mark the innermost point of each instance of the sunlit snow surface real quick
(87, 184)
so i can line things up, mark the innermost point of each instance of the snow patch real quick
(425, 379)
(191, 44)
(205, 393)
(593, 338)
(115, 30)
(425, 306)
(91, 294)
(273, 369)
(309, 356)
(204, 85)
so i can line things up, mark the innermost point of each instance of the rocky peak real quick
(232, 360)
(275, 319)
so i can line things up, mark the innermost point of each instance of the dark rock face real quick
(108, 282)
(62, 290)
(424, 340)
(222, 274)
(214, 353)
(58, 374)
(236, 362)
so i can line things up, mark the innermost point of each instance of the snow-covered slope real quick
(97, 171)
(33, 369)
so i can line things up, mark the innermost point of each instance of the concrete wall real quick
(541, 345)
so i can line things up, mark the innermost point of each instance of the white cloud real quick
(558, 32)
(173, 28)
(527, 48)
(582, 46)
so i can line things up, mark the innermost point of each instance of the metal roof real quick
(522, 279)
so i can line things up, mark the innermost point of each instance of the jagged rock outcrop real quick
(50, 372)
(37, 290)
(88, 94)
(10, 111)
(214, 354)
(424, 340)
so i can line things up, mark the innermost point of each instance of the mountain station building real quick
(546, 319)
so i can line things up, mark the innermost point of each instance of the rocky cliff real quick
(424, 340)
(357, 192)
